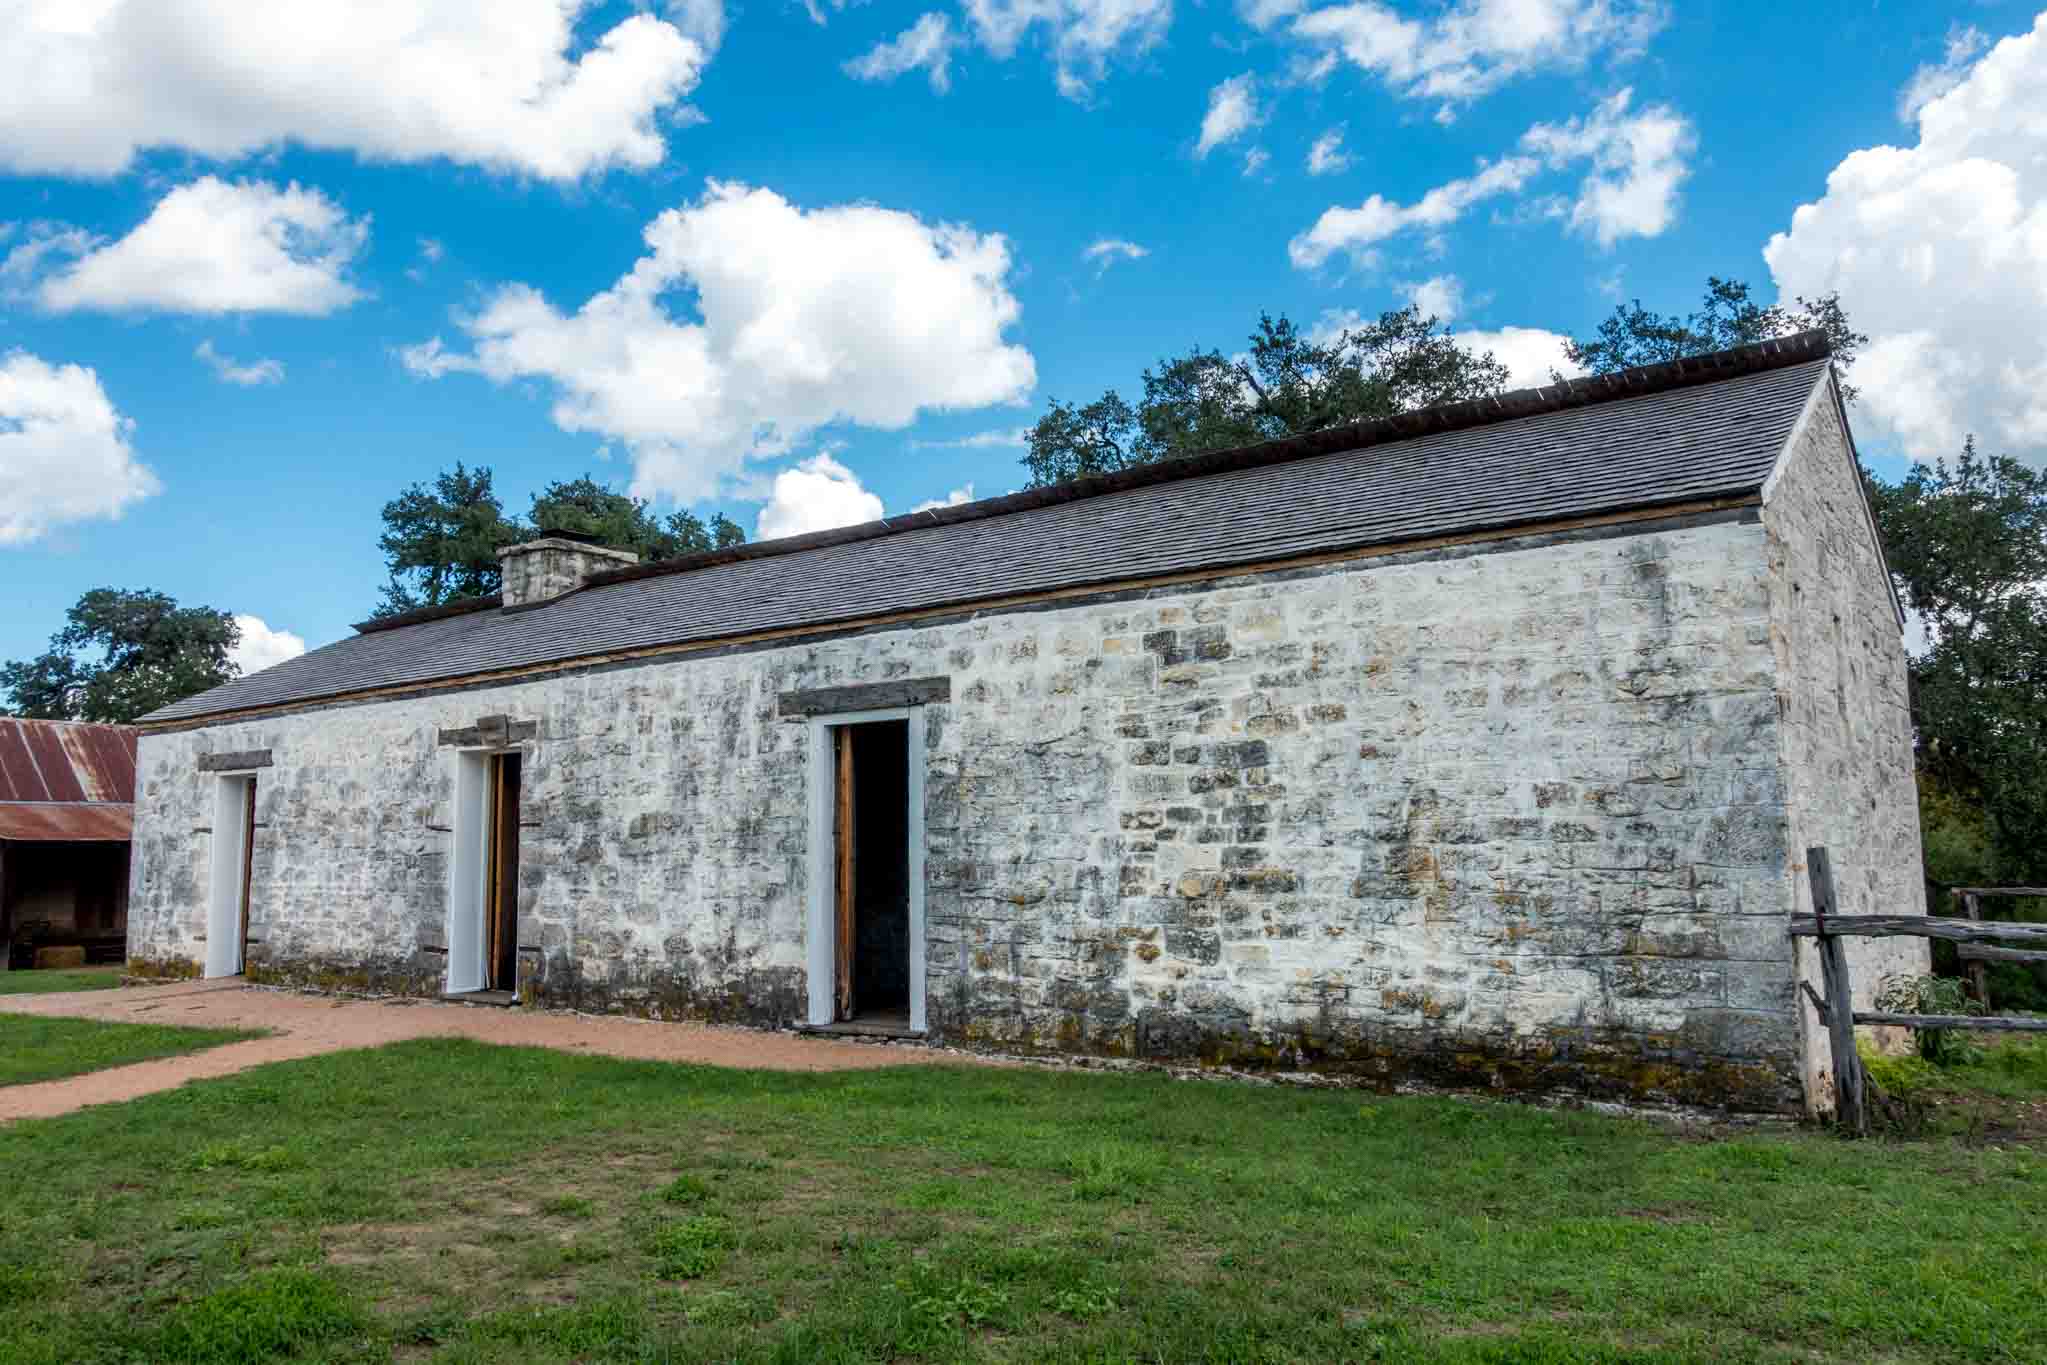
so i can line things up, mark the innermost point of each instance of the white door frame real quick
(468, 846)
(231, 795)
(820, 923)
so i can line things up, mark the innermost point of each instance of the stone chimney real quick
(559, 562)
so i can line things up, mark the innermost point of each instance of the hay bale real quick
(73, 956)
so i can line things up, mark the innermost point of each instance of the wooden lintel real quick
(881, 696)
(1997, 891)
(490, 736)
(239, 761)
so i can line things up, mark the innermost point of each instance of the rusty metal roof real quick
(65, 780)
(67, 822)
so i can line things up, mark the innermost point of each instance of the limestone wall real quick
(1513, 818)
(1847, 726)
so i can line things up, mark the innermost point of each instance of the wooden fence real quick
(1836, 1009)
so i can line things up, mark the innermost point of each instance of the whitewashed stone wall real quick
(1847, 723)
(1517, 818)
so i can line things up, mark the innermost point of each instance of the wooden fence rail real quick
(1836, 1008)
(1971, 898)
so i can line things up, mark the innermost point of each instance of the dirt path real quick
(307, 1025)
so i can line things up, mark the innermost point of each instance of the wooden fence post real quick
(1850, 1108)
(1979, 975)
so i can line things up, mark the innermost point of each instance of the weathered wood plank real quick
(1989, 1023)
(1919, 926)
(827, 701)
(486, 735)
(844, 834)
(235, 762)
(1849, 1109)
(1990, 952)
(1998, 890)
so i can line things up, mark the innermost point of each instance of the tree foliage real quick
(441, 540)
(121, 655)
(625, 523)
(1288, 384)
(1728, 316)
(1968, 543)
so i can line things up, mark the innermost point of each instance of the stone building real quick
(1477, 745)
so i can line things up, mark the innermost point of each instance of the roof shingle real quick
(1709, 427)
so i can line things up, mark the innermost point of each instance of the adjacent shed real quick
(67, 793)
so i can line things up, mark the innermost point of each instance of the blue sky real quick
(806, 263)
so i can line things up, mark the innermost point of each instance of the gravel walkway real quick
(307, 1025)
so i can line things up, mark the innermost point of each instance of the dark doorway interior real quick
(63, 895)
(248, 874)
(873, 827)
(501, 904)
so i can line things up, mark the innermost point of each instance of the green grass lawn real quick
(40, 1049)
(60, 979)
(445, 1200)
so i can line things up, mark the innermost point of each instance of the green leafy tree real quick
(625, 523)
(1288, 384)
(440, 541)
(122, 655)
(1728, 316)
(1968, 543)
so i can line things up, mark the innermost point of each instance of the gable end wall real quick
(1846, 716)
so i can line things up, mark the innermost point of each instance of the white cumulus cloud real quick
(1939, 251)
(64, 450)
(1326, 156)
(1529, 353)
(260, 646)
(1934, 79)
(804, 317)
(1439, 296)
(1106, 251)
(1083, 35)
(816, 495)
(926, 45)
(959, 497)
(1232, 112)
(214, 247)
(231, 371)
(514, 85)
(1464, 49)
(1637, 161)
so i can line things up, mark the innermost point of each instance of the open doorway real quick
(501, 904)
(483, 881)
(231, 874)
(867, 907)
